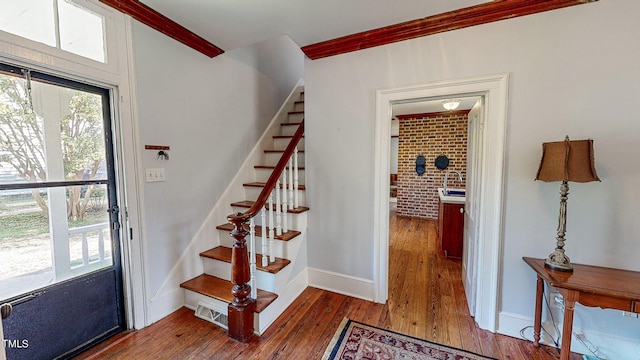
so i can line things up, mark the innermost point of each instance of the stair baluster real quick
(271, 230)
(290, 163)
(285, 213)
(252, 258)
(265, 260)
(278, 209)
(296, 198)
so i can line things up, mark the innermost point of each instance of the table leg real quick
(538, 314)
(565, 348)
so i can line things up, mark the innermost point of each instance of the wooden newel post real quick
(241, 308)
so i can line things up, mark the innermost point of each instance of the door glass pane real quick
(39, 247)
(81, 31)
(31, 19)
(70, 120)
(25, 243)
(51, 232)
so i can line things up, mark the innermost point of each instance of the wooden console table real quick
(588, 285)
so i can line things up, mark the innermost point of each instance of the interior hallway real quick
(426, 300)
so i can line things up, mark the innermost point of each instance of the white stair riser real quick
(272, 158)
(292, 221)
(295, 117)
(288, 130)
(298, 107)
(282, 143)
(216, 268)
(192, 298)
(252, 193)
(262, 175)
(280, 248)
(264, 280)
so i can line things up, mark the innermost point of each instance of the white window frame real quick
(115, 74)
(46, 54)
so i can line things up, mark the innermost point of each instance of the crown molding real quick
(453, 20)
(161, 23)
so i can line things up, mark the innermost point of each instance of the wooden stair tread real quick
(286, 236)
(261, 184)
(296, 112)
(223, 253)
(221, 289)
(249, 203)
(291, 123)
(273, 167)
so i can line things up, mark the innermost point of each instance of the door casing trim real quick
(494, 88)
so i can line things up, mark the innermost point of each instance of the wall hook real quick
(163, 155)
(163, 152)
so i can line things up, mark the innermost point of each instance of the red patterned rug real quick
(357, 341)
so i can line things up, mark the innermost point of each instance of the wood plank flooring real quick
(426, 300)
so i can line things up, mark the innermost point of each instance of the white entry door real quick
(471, 213)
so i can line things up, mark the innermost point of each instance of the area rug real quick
(357, 341)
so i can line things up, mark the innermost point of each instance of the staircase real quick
(247, 293)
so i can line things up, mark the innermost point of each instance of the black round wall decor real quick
(442, 162)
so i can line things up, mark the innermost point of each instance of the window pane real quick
(40, 245)
(31, 19)
(81, 31)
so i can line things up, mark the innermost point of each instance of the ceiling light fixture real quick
(451, 104)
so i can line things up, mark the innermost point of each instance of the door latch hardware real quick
(6, 310)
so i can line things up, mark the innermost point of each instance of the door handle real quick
(461, 210)
(6, 310)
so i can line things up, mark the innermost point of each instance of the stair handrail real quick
(271, 183)
(240, 310)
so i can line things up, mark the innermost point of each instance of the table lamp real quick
(568, 160)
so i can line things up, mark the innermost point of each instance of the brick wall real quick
(429, 135)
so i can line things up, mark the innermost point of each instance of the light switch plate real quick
(154, 175)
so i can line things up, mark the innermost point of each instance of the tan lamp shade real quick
(568, 160)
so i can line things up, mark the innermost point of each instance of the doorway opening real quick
(493, 89)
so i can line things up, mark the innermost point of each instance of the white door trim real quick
(494, 88)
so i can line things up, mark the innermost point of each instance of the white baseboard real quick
(293, 289)
(341, 284)
(161, 306)
(608, 346)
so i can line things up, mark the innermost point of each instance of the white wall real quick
(393, 155)
(573, 71)
(210, 112)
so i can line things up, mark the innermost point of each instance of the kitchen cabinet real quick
(450, 228)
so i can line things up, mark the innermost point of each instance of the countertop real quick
(451, 199)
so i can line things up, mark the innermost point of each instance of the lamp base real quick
(558, 261)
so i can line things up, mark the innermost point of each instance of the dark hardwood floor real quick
(426, 300)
